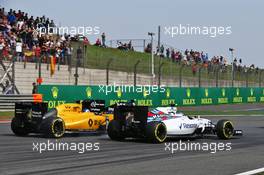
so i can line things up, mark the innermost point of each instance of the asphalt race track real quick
(133, 157)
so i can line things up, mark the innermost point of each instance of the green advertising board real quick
(150, 95)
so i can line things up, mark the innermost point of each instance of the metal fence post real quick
(135, 72)
(8, 75)
(260, 77)
(48, 61)
(199, 76)
(13, 75)
(180, 75)
(217, 76)
(247, 78)
(84, 57)
(25, 63)
(76, 74)
(160, 66)
(39, 67)
(59, 62)
(107, 70)
(144, 45)
(36, 62)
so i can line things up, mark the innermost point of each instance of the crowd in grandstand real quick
(19, 36)
(191, 58)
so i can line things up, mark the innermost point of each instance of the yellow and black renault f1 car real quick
(87, 115)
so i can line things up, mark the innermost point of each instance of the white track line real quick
(260, 170)
(232, 115)
(250, 109)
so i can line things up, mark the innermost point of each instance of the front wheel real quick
(224, 129)
(53, 127)
(156, 132)
(19, 127)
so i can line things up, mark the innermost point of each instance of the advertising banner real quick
(150, 95)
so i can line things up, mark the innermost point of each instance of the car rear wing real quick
(31, 110)
(139, 113)
(22, 109)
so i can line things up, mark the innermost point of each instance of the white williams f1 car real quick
(163, 122)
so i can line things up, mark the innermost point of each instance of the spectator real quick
(158, 50)
(167, 52)
(148, 48)
(172, 55)
(19, 50)
(37, 52)
(103, 39)
(35, 88)
(85, 43)
(129, 46)
(11, 18)
(162, 51)
(69, 51)
(98, 42)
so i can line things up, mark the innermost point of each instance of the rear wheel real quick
(224, 129)
(53, 127)
(19, 127)
(114, 130)
(156, 132)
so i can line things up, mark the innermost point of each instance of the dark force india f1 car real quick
(163, 122)
(87, 115)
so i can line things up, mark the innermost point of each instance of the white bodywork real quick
(178, 123)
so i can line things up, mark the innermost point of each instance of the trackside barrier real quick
(7, 102)
(150, 96)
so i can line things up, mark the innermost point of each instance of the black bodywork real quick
(31, 114)
(133, 119)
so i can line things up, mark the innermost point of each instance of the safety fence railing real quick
(7, 102)
(98, 65)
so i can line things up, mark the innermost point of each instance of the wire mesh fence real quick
(98, 65)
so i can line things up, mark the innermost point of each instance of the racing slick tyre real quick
(156, 132)
(114, 130)
(19, 127)
(224, 129)
(53, 127)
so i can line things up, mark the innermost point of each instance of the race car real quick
(87, 115)
(163, 122)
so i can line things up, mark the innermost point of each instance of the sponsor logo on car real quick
(187, 126)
